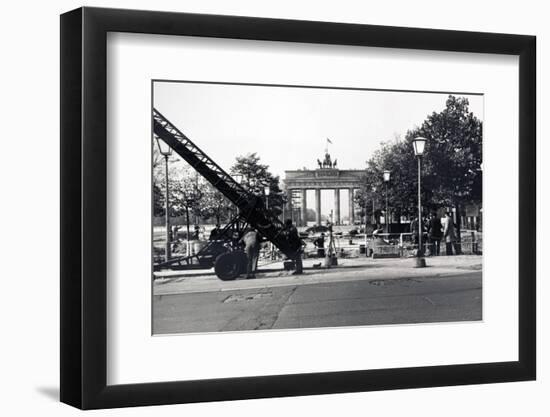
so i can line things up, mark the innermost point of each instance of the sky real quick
(288, 127)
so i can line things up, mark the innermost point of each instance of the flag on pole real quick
(329, 141)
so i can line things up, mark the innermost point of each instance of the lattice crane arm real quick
(250, 206)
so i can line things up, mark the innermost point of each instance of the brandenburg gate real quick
(326, 177)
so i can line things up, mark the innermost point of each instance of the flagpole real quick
(326, 144)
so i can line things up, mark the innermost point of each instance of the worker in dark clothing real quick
(215, 233)
(319, 243)
(435, 233)
(292, 235)
(196, 232)
(448, 232)
(251, 240)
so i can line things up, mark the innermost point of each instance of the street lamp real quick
(284, 200)
(373, 208)
(166, 151)
(238, 178)
(266, 193)
(386, 180)
(419, 144)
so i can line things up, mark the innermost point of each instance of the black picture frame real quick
(84, 207)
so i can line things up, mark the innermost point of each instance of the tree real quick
(188, 191)
(451, 165)
(213, 204)
(185, 191)
(395, 157)
(256, 176)
(176, 172)
(453, 153)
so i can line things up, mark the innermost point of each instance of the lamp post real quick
(365, 214)
(366, 222)
(418, 145)
(266, 193)
(166, 151)
(284, 201)
(386, 180)
(190, 197)
(374, 222)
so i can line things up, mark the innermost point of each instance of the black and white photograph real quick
(294, 207)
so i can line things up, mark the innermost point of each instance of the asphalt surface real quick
(343, 303)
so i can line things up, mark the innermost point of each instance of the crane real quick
(228, 262)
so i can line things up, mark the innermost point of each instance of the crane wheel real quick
(229, 266)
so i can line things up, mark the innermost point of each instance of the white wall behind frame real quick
(30, 306)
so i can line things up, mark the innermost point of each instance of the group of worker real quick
(437, 229)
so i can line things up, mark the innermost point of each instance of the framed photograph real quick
(257, 208)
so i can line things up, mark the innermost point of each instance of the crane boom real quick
(250, 206)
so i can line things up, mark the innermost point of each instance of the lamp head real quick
(238, 178)
(418, 144)
(386, 176)
(164, 149)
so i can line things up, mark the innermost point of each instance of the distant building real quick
(325, 177)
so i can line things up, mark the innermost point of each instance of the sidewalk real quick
(348, 269)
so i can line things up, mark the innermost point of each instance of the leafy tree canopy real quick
(256, 176)
(451, 165)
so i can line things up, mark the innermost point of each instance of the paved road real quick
(348, 303)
